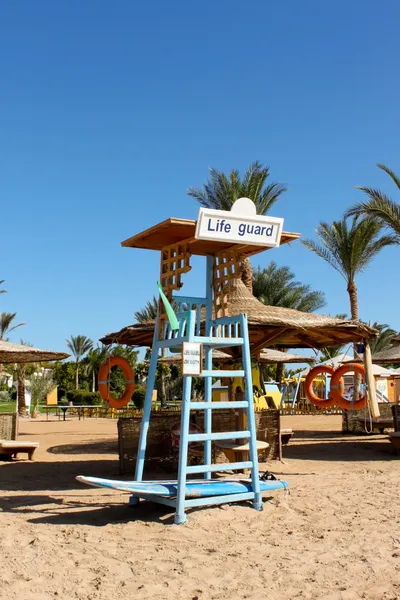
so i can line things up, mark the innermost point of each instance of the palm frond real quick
(221, 191)
(391, 174)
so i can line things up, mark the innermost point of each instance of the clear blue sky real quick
(111, 110)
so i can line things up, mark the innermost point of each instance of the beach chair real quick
(395, 436)
(195, 449)
(12, 448)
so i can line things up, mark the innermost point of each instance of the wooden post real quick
(370, 381)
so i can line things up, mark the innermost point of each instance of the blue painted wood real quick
(183, 450)
(219, 499)
(251, 423)
(223, 435)
(208, 365)
(144, 426)
(194, 488)
(230, 466)
(218, 405)
(226, 373)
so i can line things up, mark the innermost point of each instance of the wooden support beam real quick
(370, 381)
(267, 339)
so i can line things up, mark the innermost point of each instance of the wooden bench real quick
(12, 448)
(379, 424)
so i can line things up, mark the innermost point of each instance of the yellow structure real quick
(52, 398)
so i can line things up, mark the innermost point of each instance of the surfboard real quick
(195, 488)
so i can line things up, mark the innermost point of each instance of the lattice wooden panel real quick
(226, 269)
(175, 260)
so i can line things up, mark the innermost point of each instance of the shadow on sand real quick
(100, 447)
(333, 446)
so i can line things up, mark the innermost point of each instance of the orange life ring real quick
(337, 387)
(308, 385)
(104, 371)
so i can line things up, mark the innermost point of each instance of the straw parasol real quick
(17, 353)
(390, 355)
(268, 326)
(266, 357)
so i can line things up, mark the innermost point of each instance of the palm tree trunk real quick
(93, 381)
(21, 391)
(77, 375)
(279, 372)
(163, 390)
(247, 274)
(352, 290)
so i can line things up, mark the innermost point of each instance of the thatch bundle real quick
(390, 355)
(268, 326)
(17, 353)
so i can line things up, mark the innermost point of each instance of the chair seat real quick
(10, 444)
(238, 447)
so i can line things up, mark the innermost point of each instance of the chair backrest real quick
(176, 433)
(396, 416)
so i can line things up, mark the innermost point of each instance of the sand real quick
(336, 536)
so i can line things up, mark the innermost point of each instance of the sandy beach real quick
(336, 536)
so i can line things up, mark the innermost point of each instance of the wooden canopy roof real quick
(173, 231)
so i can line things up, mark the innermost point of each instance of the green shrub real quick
(4, 396)
(82, 397)
(138, 397)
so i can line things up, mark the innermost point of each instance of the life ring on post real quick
(308, 385)
(337, 387)
(104, 371)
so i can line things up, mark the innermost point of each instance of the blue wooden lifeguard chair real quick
(205, 322)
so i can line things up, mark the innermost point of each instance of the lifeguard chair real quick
(203, 322)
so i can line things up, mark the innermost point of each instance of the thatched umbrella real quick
(390, 355)
(268, 326)
(273, 357)
(266, 357)
(17, 353)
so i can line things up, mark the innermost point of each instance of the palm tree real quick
(2, 291)
(6, 326)
(379, 206)
(349, 250)
(41, 384)
(21, 404)
(95, 358)
(221, 191)
(275, 286)
(384, 339)
(79, 345)
(148, 313)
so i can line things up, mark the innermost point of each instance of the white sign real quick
(239, 225)
(192, 358)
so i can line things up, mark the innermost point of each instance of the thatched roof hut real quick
(390, 355)
(268, 326)
(17, 353)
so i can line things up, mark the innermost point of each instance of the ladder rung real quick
(222, 374)
(218, 342)
(222, 435)
(207, 405)
(220, 467)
